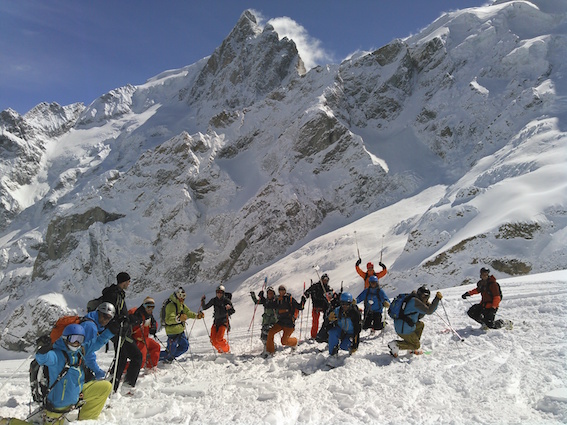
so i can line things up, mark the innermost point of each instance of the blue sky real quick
(74, 51)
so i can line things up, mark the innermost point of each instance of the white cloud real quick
(309, 48)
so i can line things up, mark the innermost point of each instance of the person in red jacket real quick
(485, 311)
(141, 333)
(370, 272)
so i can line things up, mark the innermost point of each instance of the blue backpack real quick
(397, 307)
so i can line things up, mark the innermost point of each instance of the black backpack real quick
(39, 374)
(93, 304)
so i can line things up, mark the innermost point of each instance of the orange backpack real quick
(61, 323)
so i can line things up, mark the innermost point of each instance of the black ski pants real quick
(373, 320)
(128, 351)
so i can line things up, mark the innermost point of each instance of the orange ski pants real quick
(286, 338)
(217, 339)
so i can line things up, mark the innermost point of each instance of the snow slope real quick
(495, 377)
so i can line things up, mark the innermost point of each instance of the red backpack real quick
(61, 323)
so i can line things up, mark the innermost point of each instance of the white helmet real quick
(220, 288)
(180, 293)
(106, 308)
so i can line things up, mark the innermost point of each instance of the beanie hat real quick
(122, 277)
(149, 300)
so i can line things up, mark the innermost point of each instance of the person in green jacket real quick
(174, 315)
(269, 318)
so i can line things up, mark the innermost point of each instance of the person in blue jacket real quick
(410, 327)
(345, 320)
(375, 299)
(95, 323)
(67, 389)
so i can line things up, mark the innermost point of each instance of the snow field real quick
(494, 377)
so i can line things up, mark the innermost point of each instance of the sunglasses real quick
(73, 339)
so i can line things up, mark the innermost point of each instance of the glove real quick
(381, 264)
(303, 299)
(260, 294)
(252, 293)
(332, 317)
(465, 295)
(181, 318)
(439, 295)
(306, 294)
(200, 315)
(358, 262)
(113, 326)
(203, 298)
(386, 304)
(44, 349)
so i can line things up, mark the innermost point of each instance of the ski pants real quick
(373, 320)
(176, 346)
(412, 341)
(287, 339)
(484, 316)
(217, 338)
(150, 352)
(336, 337)
(129, 350)
(315, 324)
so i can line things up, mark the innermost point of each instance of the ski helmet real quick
(484, 270)
(422, 292)
(73, 333)
(180, 293)
(107, 309)
(325, 276)
(270, 288)
(369, 265)
(346, 298)
(373, 279)
(220, 288)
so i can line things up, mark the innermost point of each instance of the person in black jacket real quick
(286, 308)
(222, 311)
(122, 328)
(321, 293)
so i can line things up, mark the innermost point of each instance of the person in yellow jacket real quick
(174, 316)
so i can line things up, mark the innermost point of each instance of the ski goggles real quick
(106, 316)
(73, 339)
(149, 305)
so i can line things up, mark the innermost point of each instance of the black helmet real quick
(325, 276)
(422, 292)
(484, 270)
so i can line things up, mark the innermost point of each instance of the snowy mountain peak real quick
(444, 151)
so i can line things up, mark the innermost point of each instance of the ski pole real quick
(451, 328)
(169, 352)
(356, 241)
(382, 249)
(117, 357)
(301, 319)
(255, 307)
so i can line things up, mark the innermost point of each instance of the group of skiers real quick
(343, 320)
(130, 331)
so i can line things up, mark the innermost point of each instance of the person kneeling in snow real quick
(485, 311)
(408, 326)
(346, 332)
(66, 391)
(286, 308)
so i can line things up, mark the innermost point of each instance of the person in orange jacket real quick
(141, 333)
(223, 309)
(370, 271)
(485, 311)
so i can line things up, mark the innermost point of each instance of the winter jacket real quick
(319, 297)
(172, 311)
(366, 275)
(93, 329)
(66, 391)
(220, 313)
(286, 308)
(490, 292)
(373, 298)
(414, 311)
(147, 326)
(349, 322)
(117, 297)
(269, 317)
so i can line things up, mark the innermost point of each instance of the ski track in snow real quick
(495, 377)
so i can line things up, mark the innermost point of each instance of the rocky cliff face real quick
(208, 173)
